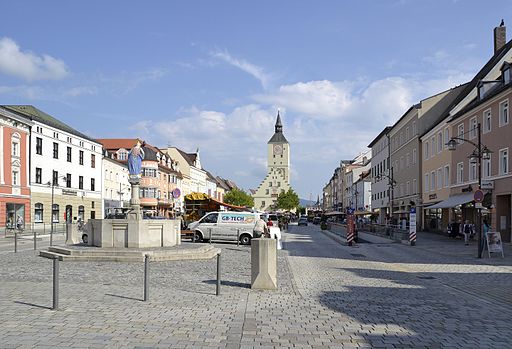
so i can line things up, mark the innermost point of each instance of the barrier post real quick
(217, 292)
(35, 241)
(238, 237)
(55, 283)
(146, 277)
(210, 233)
(15, 241)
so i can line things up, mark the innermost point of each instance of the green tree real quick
(288, 200)
(238, 197)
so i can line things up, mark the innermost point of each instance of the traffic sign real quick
(478, 196)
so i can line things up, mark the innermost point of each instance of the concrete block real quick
(264, 264)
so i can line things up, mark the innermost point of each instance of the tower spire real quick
(279, 125)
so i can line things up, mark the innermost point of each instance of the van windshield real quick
(211, 218)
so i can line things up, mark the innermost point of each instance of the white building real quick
(381, 176)
(194, 177)
(117, 191)
(66, 162)
(278, 175)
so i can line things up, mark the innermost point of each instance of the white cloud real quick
(257, 72)
(81, 90)
(27, 65)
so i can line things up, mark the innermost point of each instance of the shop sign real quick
(487, 184)
(432, 196)
(69, 192)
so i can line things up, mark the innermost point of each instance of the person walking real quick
(468, 231)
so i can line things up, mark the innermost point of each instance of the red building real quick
(14, 169)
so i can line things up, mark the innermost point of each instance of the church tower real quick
(278, 170)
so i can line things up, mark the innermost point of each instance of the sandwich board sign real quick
(493, 243)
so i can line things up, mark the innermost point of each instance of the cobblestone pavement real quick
(330, 296)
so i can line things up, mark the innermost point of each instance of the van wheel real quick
(198, 237)
(245, 239)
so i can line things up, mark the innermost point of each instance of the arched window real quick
(81, 213)
(38, 212)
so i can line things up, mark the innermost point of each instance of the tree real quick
(239, 198)
(288, 200)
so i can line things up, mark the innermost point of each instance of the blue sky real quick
(212, 74)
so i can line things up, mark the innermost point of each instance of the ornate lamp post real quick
(480, 152)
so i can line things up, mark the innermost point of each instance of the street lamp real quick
(480, 152)
(391, 185)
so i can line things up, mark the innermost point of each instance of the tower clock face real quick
(278, 149)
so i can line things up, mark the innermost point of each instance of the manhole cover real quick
(426, 277)
(358, 255)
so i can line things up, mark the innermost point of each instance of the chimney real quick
(500, 36)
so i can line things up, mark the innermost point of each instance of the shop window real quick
(15, 216)
(38, 212)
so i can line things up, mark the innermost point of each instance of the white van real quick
(225, 226)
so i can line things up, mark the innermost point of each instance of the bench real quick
(187, 234)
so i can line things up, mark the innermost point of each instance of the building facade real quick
(14, 169)
(117, 190)
(381, 176)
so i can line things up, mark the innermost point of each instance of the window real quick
(68, 180)
(55, 213)
(39, 146)
(472, 171)
(407, 160)
(426, 150)
(15, 180)
(81, 143)
(93, 160)
(460, 172)
(263, 203)
(266, 191)
(55, 150)
(55, 178)
(81, 157)
(69, 154)
(473, 128)
(503, 161)
(414, 156)
(439, 142)
(460, 133)
(55, 135)
(401, 138)
(80, 182)
(446, 137)
(486, 167)
(38, 212)
(15, 146)
(433, 144)
(504, 113)
(439, 178)
(69, 139)
(414, 186)
(81, 213)
(414, 128)
(406, 134)
(123, 154)
(433, 180)
(408, 188)
(39, 175)
(446, 176)
(487, 121)
(93, 184)
(427, 183)
(93, 214)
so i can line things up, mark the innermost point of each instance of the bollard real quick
(15, 241)
(217, 292)
(51, 237)
(194, 236)
(55, 283)
(210, 233)
(35, 241)
(146, 278)
(238, 237)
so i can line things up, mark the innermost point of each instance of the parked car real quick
(316, 220)
(303, 221)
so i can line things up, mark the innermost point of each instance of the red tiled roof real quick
(118, 143)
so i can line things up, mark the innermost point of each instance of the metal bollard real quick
(194, 236)
(35, 241)
(238, 237)
(55, 283)
(51, 237)
(217, 292)
(15, 241)
(146, 278)
(210, 233)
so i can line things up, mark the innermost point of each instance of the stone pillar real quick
(135, 213)
(264, 264)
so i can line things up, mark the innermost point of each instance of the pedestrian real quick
(468, 231)
(260, 228)
(19, 223)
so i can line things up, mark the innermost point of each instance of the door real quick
(208, 224)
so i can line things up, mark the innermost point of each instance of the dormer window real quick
(122, 154)
(506, 73)
(484, 87)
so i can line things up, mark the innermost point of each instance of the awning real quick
(453, 201)
(362, 213)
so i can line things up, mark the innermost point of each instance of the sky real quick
(211, 75)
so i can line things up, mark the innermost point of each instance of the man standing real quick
(260, 228)
(468, 231)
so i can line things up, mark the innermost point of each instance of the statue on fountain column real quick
(135, 157)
